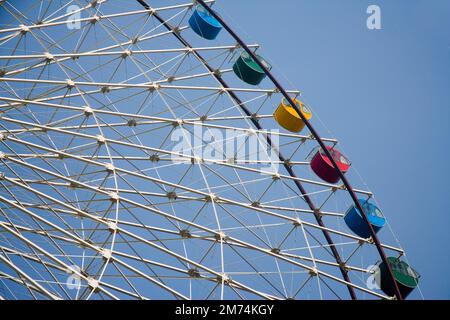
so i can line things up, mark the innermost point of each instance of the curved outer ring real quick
(289, 169)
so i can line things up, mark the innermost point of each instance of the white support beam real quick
(119, 53)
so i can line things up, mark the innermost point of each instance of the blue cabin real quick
(203, 24)
(356, 223)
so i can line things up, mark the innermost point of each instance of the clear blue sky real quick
(383, 93)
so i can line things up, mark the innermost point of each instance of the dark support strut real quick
(289, 169)
(256, 123)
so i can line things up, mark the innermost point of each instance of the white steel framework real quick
(96, 202)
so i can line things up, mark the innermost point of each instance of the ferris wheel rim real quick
(318, 139)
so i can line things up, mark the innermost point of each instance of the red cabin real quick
(322, 166)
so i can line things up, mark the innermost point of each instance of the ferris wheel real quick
(148, 152)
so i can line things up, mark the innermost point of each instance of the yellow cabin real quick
(287, 117)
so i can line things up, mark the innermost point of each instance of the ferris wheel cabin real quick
(323, 168)
(288, 118)
(203, 24)
(406, 277)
